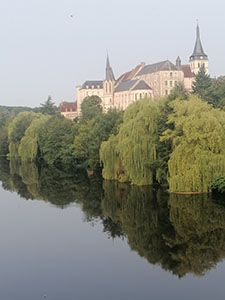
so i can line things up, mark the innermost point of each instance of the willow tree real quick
(133, 155)
(28, 147)
(198, 144)
(17, 128)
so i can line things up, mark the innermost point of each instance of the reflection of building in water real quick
(152, 81)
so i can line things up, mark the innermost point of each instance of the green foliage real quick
(202, 83)
(90, 136)
(29, 147)
(17, 128)
(178, 91)
(133, 155)
(90, 108)
(215, 94)
(56, 141)
(198, 145)
(49, 107)
(218, 185)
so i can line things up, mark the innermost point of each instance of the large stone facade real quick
(152, 81)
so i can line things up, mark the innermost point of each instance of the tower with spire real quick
(108, 87)
(198, 58)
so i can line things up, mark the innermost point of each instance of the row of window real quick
(170, 83)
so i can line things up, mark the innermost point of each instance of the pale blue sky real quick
(46, 52)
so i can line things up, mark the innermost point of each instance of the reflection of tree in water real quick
(198, 243)
(182, 233)
(186, 237)
(60, 187)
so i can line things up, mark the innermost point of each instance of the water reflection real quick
(181, 233)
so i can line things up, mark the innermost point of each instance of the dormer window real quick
(87, 86)
(92, 87)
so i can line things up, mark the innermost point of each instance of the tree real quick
(198, 145)
(134, 153)
(90, 108)
(56, 141)
(29, 146)
(202, 83)
(91, 135)
(215, 95)
(17, 128)
(49, 107)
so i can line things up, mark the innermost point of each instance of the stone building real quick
(152, 81)
(69, 110)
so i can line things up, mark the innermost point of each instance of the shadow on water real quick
(181, 233)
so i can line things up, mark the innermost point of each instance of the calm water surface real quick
(67, 237)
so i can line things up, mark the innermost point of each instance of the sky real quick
(48, 47)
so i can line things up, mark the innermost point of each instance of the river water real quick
(65, 236)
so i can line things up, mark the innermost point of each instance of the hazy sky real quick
(44, 51)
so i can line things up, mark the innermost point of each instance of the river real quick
(65, 236)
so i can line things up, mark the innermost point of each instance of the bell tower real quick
(198, 58)
(108, 87)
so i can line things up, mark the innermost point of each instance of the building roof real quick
(142, 85)
(130, 75)
(95, 83)
(198, 52)
(125, 85)
(187, 71)
(68, 106)
(108, 71)
(132, 85)
(161, 66)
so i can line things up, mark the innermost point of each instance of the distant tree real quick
(90, 108)
(56, 141)
(202, 83)
(90, 136)
(178, 91)
(49, 107)
(17, 128)
(215, 95)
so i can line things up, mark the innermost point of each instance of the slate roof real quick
(68, 106)
(132, 85)
(91, 83)
(108, 71)
(129, 75)
(198, 50)
(161, 66)
(125, 85)
(142, 85)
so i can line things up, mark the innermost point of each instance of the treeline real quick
(178, 141)
(43, 135)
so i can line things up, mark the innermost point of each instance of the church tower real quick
(198, 58)
(108, 87)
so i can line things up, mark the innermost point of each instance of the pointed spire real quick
(198, 50)
(178, 63)
(108, 71)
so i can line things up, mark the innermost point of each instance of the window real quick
(199, 65)
(171, 83)
(166, 92)
(171, 74)
(166, 82)
(140, 95)
(87, 86)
